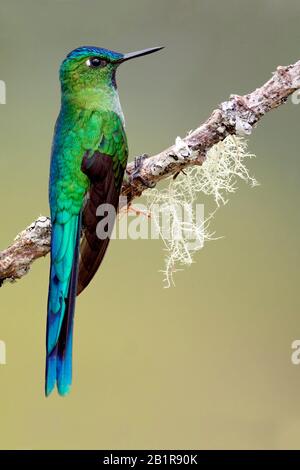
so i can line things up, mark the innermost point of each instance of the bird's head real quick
(90, 67)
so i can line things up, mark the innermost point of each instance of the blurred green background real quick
(205, 364)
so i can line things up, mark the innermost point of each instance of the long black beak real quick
(132, 55)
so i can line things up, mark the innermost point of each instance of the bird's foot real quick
(138, 163)
(178, 173)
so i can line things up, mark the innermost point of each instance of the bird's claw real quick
(138, 163)
(178, 173)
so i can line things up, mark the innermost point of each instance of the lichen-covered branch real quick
(30, 244)
(237, 116)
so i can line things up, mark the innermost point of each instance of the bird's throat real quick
(94, 99)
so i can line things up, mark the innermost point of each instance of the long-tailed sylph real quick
(89, 156)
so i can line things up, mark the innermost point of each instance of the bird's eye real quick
(96, 62)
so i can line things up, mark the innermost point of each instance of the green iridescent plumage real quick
(89, 156)
(79, 133)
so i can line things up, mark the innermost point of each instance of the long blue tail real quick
(65, 241)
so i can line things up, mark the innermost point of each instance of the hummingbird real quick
(88, 159)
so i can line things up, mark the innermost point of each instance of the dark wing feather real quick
(103, 190)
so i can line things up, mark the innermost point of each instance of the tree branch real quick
(236, 116)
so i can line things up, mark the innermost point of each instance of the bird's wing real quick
(105, 169)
